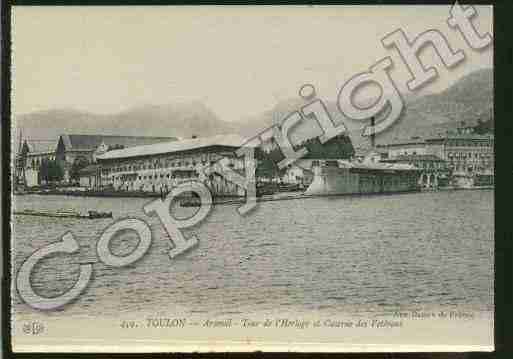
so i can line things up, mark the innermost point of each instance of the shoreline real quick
(280, 196)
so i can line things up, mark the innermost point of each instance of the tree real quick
(266, 168)
(50, 171)
(339, 147)
(43, 170)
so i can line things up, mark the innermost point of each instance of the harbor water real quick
(330, 254)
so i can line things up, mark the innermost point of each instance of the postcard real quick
(242, 178)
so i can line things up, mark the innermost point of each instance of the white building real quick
(159, 167)
(415, 146)
(33, 154)
(86, 148)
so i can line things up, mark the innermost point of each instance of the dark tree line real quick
(50, 171)
(339, 147)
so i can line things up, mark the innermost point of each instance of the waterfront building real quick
(469, 156)
(465, 153)
(33, 153)
(366, 154)
(159, 167)
(299, 173)
(434, 171)
(404, 147)
(293, 175)
(88, 176)
(85, 148)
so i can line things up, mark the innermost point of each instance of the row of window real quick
(468, 155)
(469, 143)
(425, 164)
(151, 166)
(463, 167)
(156, 165)
(151, 177)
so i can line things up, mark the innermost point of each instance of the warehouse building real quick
(85, 148)
(159, 167)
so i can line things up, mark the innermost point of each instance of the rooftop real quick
(377, 165)
(360, 152)
(468, 136)
(89, 169)
(174, 146)
(417, 158)
(423, 141)
(91, 142)
(402, 141)
(40, 146)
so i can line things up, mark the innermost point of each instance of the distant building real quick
(468, 156)
(413, 146)
(434, 170)
(88, 176)
(159, 167)
(465, 153)
(293, 175)
(33, 154)
(86, 148)
(298, 174)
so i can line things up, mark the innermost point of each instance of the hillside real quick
(464, 103)
(468, 99)
(182, 120)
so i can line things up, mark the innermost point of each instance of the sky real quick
(239, 61)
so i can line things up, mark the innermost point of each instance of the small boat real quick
(48, 213)
(64, 214)
(96, 214)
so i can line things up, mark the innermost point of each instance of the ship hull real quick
(336, 181)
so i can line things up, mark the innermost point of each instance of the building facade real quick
(299, 174)
(466, 154)
(159, 167)
(32, 155)
(85, 148)
(468, 158)
(434, 172)
(415, 146)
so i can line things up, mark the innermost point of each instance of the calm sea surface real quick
(322, 254)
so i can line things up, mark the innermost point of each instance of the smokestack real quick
(373, 134)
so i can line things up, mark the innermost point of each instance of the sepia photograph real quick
(242, 178)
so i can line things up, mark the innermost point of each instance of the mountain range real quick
(468, 99)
